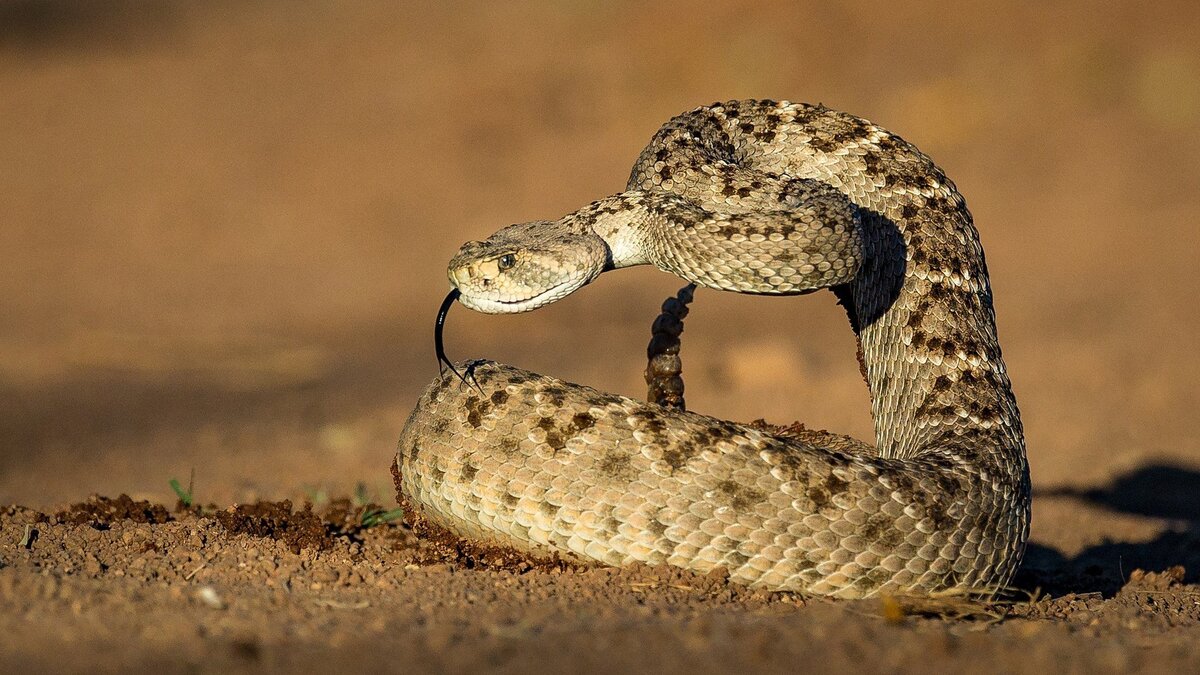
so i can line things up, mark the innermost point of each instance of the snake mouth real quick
(498, 306)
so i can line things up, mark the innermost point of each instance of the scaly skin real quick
(752, 197)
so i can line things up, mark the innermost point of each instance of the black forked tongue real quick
(440, 347)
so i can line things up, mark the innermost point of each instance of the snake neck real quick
(922, 309)
(625, 222)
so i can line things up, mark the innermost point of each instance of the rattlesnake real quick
(766, 198)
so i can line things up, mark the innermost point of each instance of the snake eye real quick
(506, 261)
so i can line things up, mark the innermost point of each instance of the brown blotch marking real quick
(476, 409)
(414, 451)
(439, 387)
(468, 471)
(872, 161)
(440, 425)
(678, 455)
(933, 406)
(554, 437)
(611, 527)
(656, 527)
(702, 438)
(914, 239)
(903, 483)
(727, 231)
(937, 510)
(854, 130)
(940, 260)
(509, 446)
(788, 458)
(804, 564)
(614, 464)
(510, 500)
(939, 502)
(499, 397)
(556, 393)
(437, 473)
(740, 496)
(519, 378)
(983, 410)
(896, 176)
(549, 510)
(889, 143)
(975, 377)
(582, 421)
(721, 430)
(983, 376)
(835, 485)
(955, 344)
(823, 143)
(882, 529)
(474, 501)
(842, 132)
(819, 496)
(652, 425)
(942, 205)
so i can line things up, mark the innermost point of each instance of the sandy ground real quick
(225, 226)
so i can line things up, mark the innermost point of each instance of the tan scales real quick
(752, 197)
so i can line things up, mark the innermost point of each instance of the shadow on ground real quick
(1168, 492)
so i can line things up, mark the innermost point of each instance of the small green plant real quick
(373, 517)
(318, 496)
(361, 497)
(186, 497)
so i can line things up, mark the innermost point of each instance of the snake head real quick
(525, 266)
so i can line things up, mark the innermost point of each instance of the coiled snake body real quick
(767, 198)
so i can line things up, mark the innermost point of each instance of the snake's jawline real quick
(443, 546)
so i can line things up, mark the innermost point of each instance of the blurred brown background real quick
(224, 225)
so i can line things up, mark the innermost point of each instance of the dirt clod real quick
(101, 512)
(276, 520)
